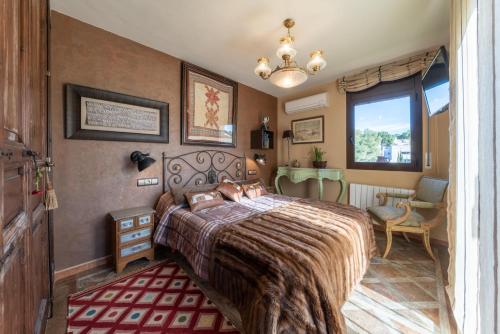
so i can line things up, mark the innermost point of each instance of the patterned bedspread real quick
(290, 269)
(288, 264)
(192, 234)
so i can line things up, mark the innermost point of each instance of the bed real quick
(287, 264)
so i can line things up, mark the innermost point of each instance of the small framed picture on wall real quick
(308, 130)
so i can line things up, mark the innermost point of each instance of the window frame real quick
(411, 86)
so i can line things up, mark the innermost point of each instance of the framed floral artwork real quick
(209, 108)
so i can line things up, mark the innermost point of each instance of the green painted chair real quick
(406, 218)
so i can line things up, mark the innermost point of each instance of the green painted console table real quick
(297, 175)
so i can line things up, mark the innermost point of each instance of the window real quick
(384, 126)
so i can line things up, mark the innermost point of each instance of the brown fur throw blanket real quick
(291, 269)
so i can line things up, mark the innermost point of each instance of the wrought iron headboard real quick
(201, 167)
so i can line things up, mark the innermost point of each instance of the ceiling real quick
(227, 36)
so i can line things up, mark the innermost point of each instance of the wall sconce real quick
(288, 135)
(260, 159)
(143, 160)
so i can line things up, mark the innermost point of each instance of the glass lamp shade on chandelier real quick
(288, 74)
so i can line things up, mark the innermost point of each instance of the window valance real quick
(389, 72)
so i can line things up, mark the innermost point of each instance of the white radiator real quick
(363, 195)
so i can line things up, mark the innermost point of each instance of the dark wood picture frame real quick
(72, 114)
(306, 119)
(186, 68)
(411, 86)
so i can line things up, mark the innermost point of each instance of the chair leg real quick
(388, 244)
(406, 236)
(427, 244)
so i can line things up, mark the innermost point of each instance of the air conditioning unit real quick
(307, 103)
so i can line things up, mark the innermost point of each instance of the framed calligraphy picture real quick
(209, 108)
(97, 114)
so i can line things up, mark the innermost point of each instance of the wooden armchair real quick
(405, 217)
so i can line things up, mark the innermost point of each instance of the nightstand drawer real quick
(126, 224)
(135, 248)
(144, 220)
(132, 235)
(138, 234)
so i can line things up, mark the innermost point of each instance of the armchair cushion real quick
(431, 190)
(385, 213)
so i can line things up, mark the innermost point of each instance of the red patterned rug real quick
(159, 299)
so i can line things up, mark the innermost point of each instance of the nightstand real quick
(132, 235)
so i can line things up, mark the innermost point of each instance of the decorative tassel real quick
(38, 180)
(50, 195)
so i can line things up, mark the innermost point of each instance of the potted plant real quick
(318, 161)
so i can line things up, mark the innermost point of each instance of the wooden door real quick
(24, 262)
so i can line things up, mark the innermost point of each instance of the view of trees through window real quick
(383, 131)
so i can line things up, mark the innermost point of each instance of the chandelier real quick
(288, 74)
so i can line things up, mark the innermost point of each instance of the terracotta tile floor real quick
(401, 294)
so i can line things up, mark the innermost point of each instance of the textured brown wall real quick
(95, 177)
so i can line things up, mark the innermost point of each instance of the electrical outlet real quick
(152, 181)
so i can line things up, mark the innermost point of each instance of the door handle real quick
(49, 163)
(351, 140)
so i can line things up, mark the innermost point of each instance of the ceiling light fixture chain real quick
(289, 74)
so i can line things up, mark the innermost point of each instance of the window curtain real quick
(489, 163)
(393, 71)
(474, 203)
(463, 193)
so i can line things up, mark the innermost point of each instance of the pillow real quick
(254, 190)
(180, 192)
(231, 190)
(203, 199)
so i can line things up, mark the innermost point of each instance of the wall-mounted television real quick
(436, 84)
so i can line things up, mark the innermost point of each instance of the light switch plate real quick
(252, 172)
(151, 181)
